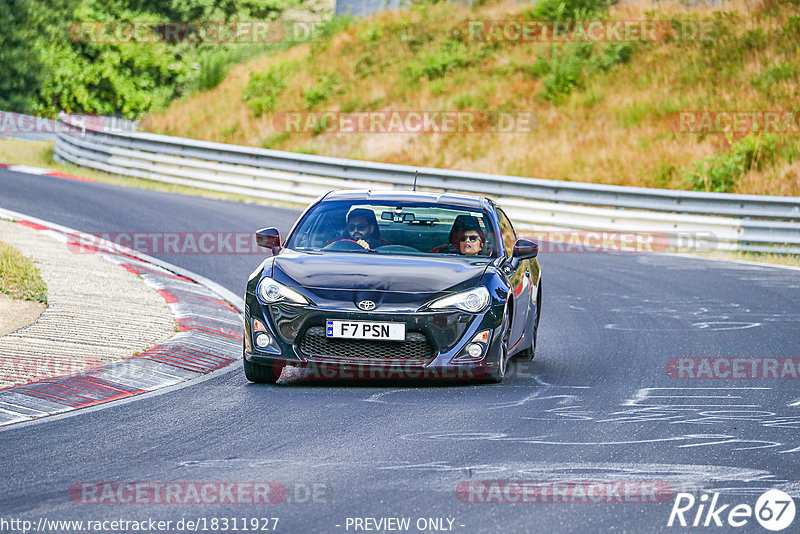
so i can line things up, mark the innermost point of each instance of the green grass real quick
(19, 277)
(719, 172)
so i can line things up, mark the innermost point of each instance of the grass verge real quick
(19, 277)
(792, 260)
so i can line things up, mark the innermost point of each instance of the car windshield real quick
(394, 228)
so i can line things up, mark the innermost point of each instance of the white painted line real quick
(27, 169)
(22, 407)
(235, 300)
(149, 376)
(17, 414)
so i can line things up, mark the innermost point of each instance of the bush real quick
(568, 9)
(451, 55)
(566, 70)
(326, 86)
(613, 54)
(568, 64)
(263, 89)
(213, 69)
(773, 75)
(718, 173)
(792, 28)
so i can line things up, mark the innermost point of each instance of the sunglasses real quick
(358, 227)
(470, 238)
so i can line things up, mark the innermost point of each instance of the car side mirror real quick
(525, 249)
(269, 238)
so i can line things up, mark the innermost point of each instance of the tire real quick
(262, 374)
(500, 373)
(528, 354)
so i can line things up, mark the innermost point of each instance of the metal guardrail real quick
(735, 222)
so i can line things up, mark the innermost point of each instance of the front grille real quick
(414, 350)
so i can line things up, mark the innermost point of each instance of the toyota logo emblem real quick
(366, 305)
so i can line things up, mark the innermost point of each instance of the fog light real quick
(474, 350)
(263, 340)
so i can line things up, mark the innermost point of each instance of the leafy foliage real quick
(718, 173)
(327, 85)
(263, 88)
(436, 64)
(773, 75)
(55, 56)
(569, 65)
(568, 9)
(20, 71)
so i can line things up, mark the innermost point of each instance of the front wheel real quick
(497, 375)
(262, 374)
(528, 354)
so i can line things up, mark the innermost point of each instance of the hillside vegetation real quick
(84, 56)
(605, 112)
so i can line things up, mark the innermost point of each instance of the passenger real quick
(470, 243)
(466, 237)
(362, 226)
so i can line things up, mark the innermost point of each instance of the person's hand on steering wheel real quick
(345, 241)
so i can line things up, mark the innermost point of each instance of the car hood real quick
(377, 272)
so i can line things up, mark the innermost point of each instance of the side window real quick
(507, 230)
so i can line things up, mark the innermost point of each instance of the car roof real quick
(423, 197)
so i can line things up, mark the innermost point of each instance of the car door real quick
(519, 276)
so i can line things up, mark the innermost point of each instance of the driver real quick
(362, 226)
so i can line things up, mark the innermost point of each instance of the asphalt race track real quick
(597, 404)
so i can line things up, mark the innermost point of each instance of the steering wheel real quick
(343, 244)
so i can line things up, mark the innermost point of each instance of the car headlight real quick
(472, 301)
(270, 292)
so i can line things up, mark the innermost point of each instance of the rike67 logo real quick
(774, 510)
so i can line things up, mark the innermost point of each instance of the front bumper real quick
(445, 332)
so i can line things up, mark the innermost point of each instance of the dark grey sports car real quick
(393, 284)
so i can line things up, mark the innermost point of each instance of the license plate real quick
(366, 330)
